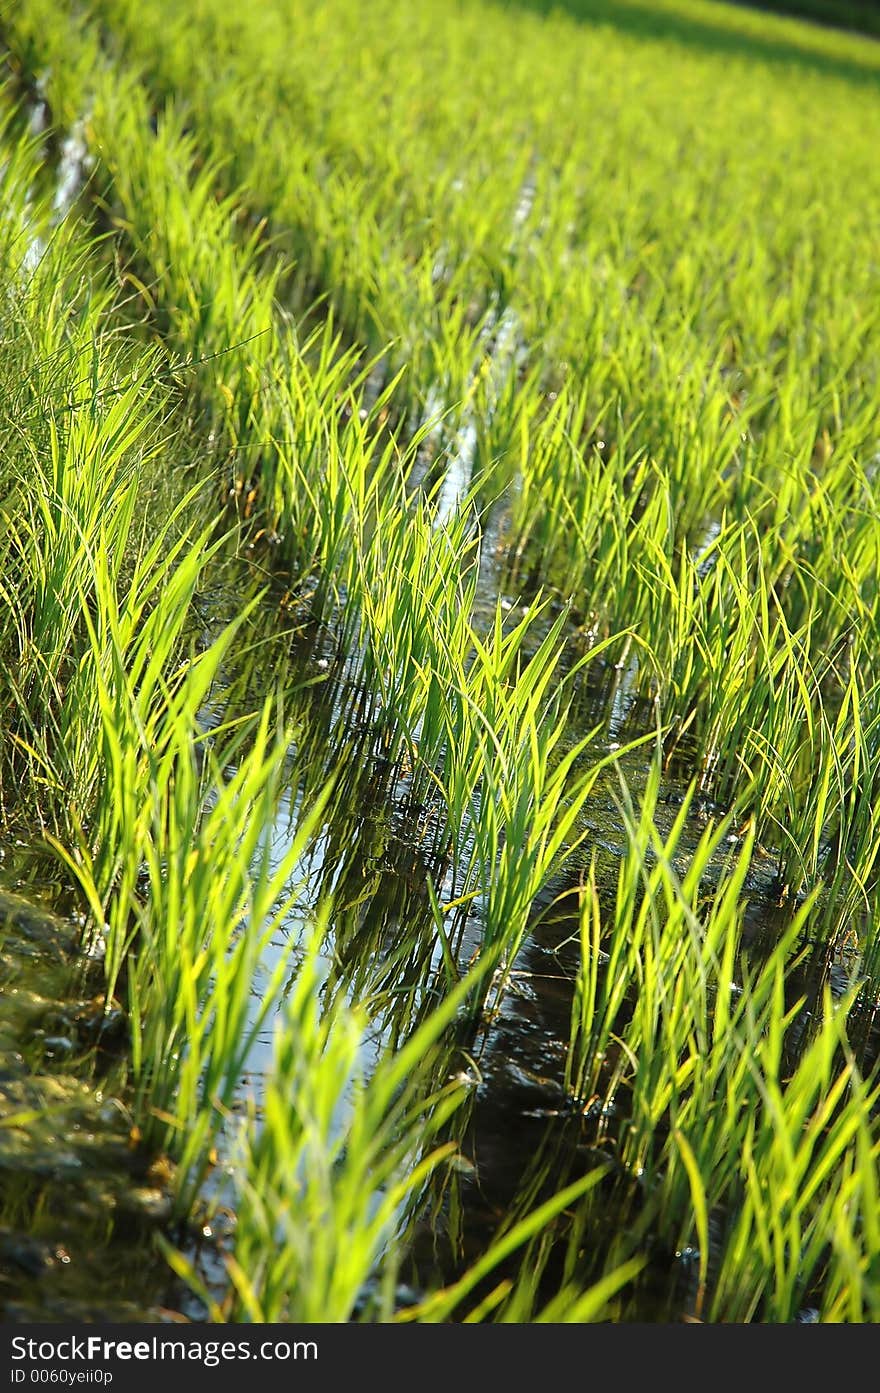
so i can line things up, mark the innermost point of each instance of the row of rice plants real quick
(765, 1147)
(763, 640)
(170, 850)
(750, 392)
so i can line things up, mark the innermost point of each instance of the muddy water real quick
(79, 1200)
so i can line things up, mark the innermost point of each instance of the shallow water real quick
(80, 1200)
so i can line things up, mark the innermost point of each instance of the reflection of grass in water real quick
(683, 452)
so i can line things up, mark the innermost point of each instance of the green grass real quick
(559, 371)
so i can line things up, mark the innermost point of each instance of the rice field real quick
(439, 679)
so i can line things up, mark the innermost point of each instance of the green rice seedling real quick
(566, 490)
(312, 459)
(56, 521)
(201, 1008)
(703, 1053)
(26, 218)
(80, 423)
(605, 981)
(798, 1190)
(514, 797)
(181, 877)
(334, 1162)
(519, 1300)
(818, 793)
(685, 1036)
(414, 588)
(625, 966)
(134, 653)
(334, 475)
(211, 289)
(334, 1167)
(731, 664)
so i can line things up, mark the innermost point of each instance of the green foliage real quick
(525, 352)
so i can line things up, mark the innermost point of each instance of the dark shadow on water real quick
(641, 20)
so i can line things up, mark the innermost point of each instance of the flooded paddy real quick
(84, 1199)
(438, 677)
